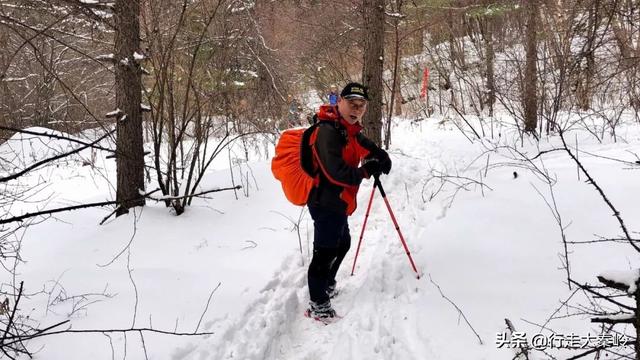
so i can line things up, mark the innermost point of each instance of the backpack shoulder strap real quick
(306, 155)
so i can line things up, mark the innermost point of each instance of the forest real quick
(153, 96)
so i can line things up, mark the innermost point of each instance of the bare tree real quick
(373, 65)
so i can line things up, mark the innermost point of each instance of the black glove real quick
(383, 159)
(371, 167)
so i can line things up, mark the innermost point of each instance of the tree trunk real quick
(394, 104)
(130, 158)
(636, 344)
(586, 78)
(530, 96)
(486, 30)
(373, 63)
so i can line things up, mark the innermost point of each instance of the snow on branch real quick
(114, 113)
(624, 318)
(14, 79)
(107, 58)
(395, 15)
(621, 280)
(97, 4)
(590, 289)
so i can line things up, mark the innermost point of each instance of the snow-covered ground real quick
(490, 248)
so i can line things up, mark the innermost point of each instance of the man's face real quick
(352, 110)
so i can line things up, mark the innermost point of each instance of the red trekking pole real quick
(395, 223)
(378, 184)
(366, 217)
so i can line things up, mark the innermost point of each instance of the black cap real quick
(355, 91)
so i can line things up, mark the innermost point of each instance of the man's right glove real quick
(371, 167)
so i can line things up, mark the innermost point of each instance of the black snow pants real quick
(331, 242)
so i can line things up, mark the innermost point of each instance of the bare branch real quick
(615, 211)
(53, 158)
(69, 208)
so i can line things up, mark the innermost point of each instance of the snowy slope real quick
(492, 251)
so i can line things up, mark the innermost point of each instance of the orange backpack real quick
(293, 164)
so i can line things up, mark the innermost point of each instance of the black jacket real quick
(338, 147)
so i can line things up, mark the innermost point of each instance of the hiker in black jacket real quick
(338, 149)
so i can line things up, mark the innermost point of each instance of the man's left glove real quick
(383, 158)
(371, 167)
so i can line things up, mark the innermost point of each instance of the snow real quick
(249, 72)
(493, 253)
(618, 317)
(628, 278)
(114, 113)
(106, 57)
(138, 57)
(395, 15)
(23, 150)
(12, 79)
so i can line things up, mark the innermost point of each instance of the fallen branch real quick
(103, 331)
(53, 158)
(54, 136)
(165, 198)
(206, 307)
(458, 309)
(68, 208)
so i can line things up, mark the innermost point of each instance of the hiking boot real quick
(332, 291)
(321, 312)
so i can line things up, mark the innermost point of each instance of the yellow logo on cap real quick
(358, 90)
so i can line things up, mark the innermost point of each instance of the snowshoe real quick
(321, 312)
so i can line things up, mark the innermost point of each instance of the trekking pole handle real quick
(377, 183)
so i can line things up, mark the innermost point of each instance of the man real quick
(338, 148)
